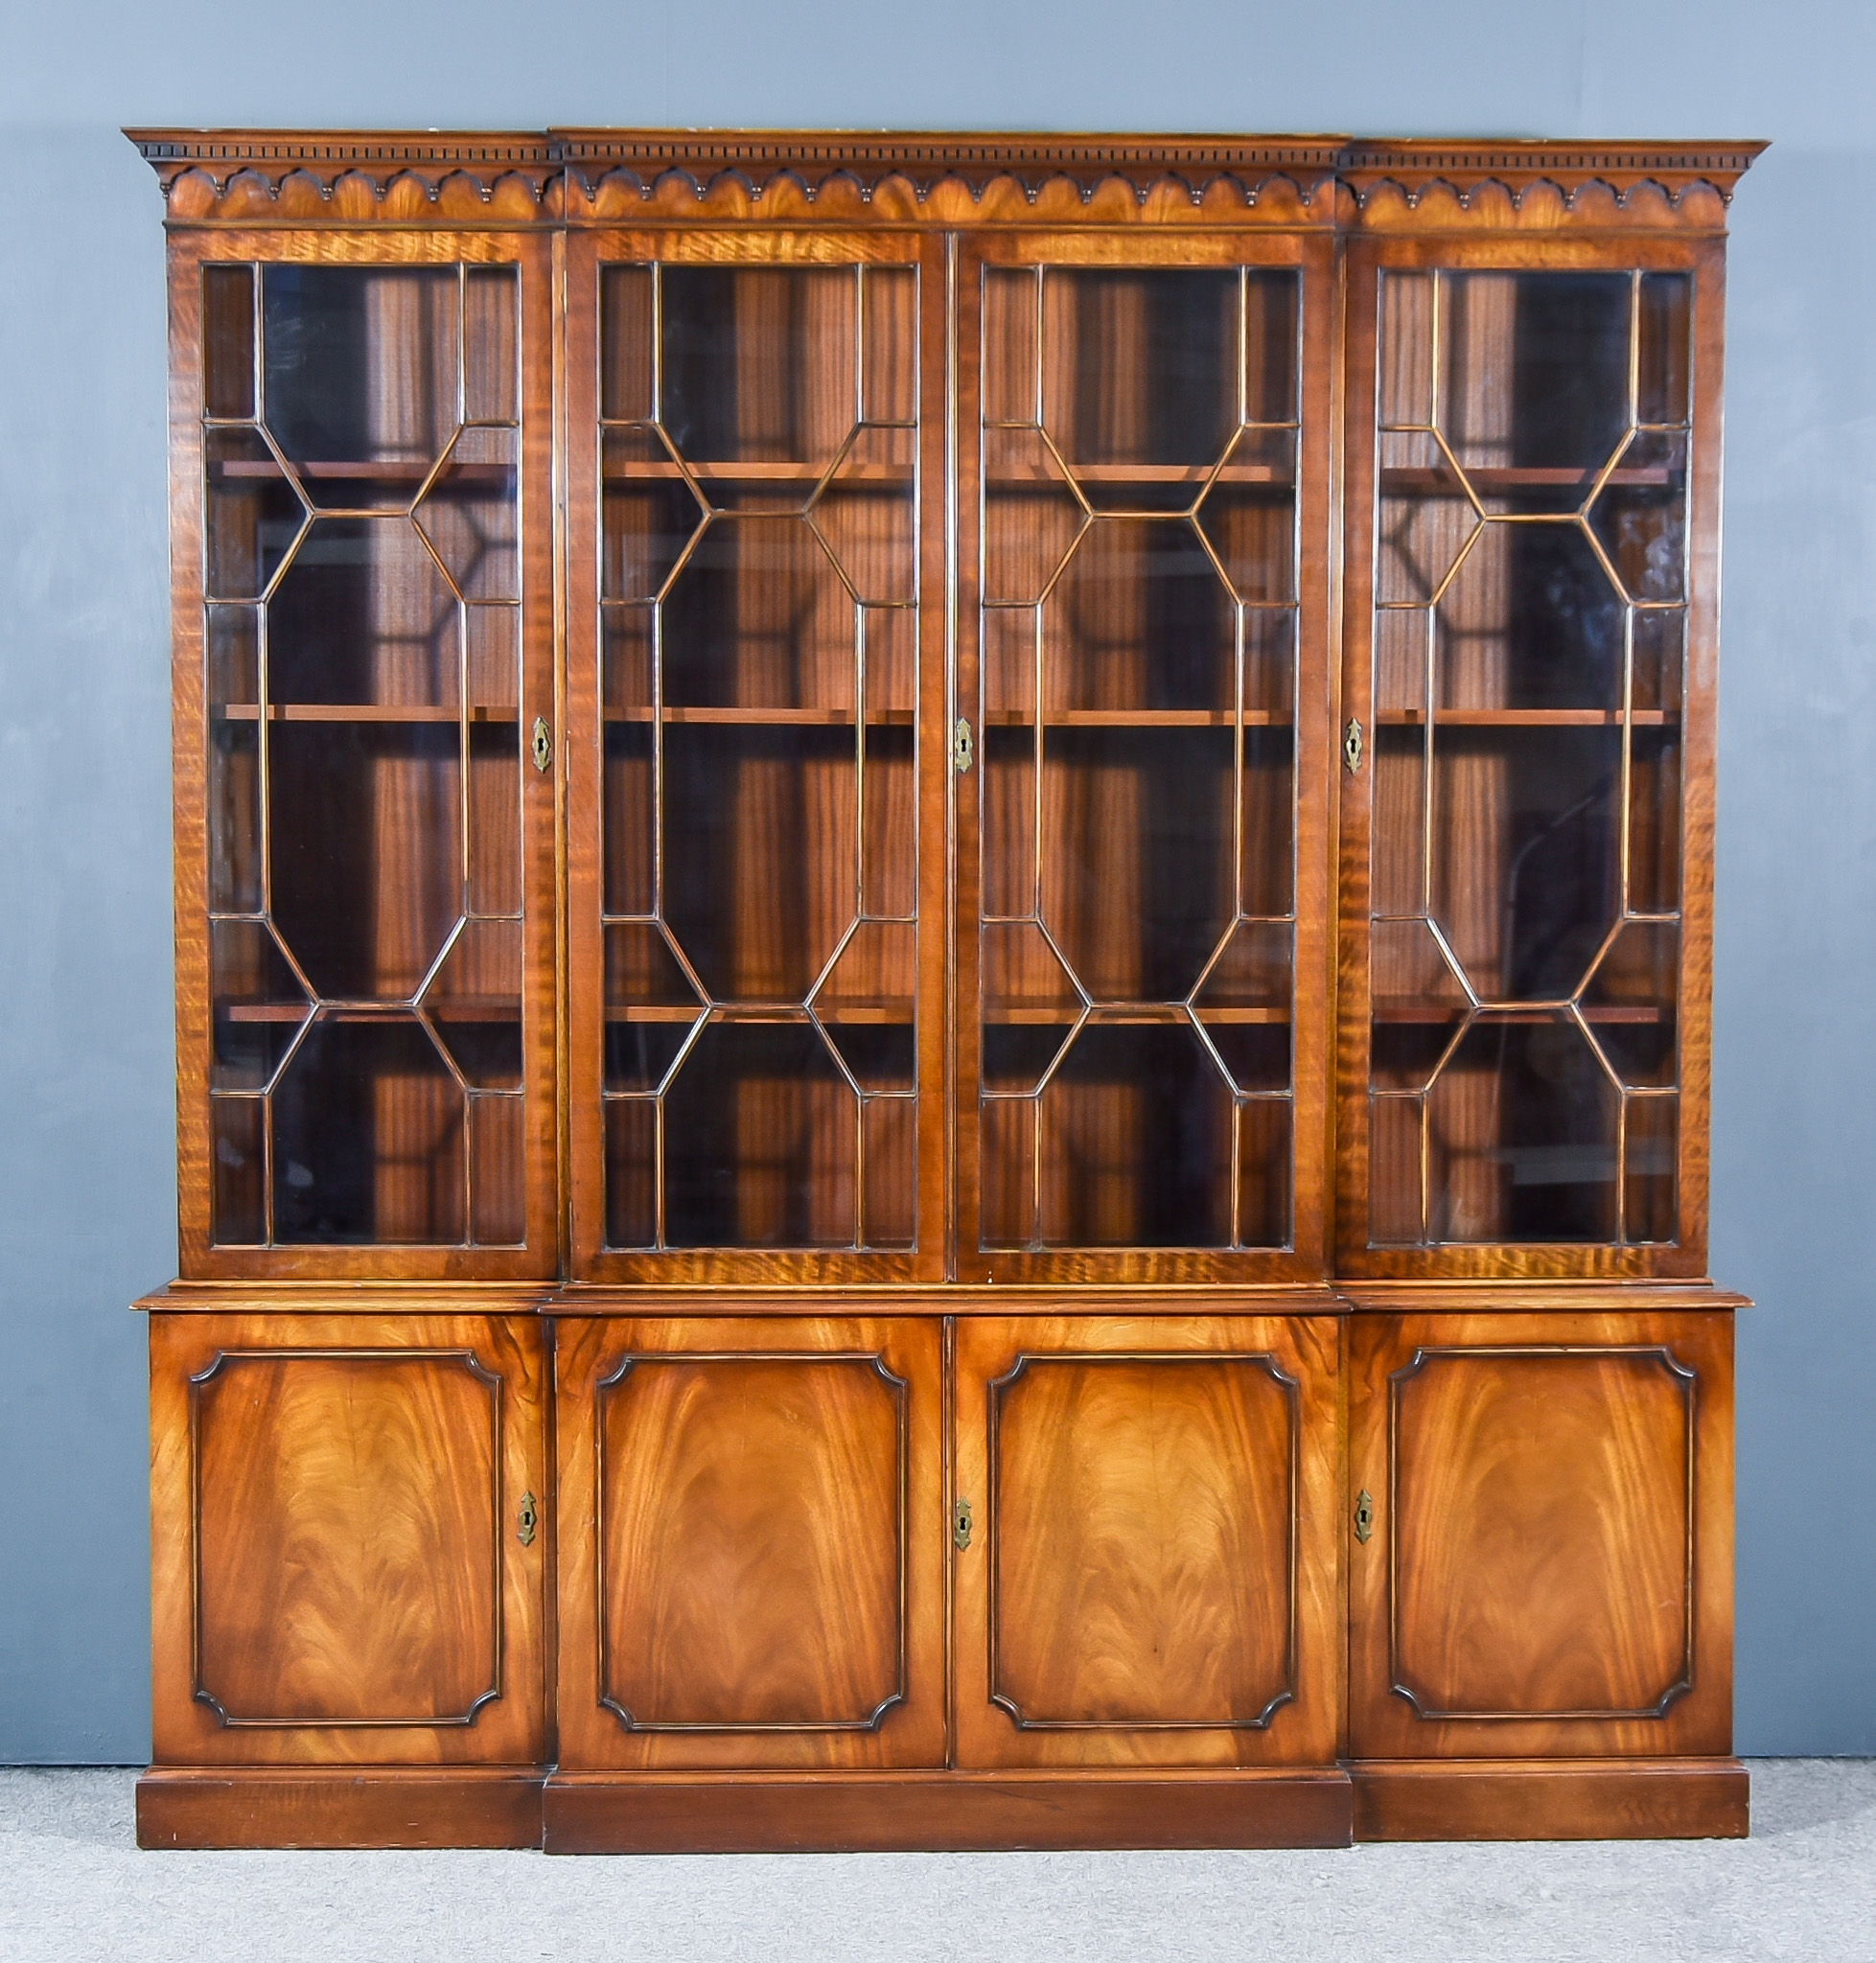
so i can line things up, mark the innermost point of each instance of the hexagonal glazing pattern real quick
(360, 462)
(1138, 581)
(758, 633)
(1530, 584)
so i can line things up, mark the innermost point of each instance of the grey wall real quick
(86, 1190)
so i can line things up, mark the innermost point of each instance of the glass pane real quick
(228, 341)
(364, 614)
(758, 648)
(365, 945)
(1521, 1136)
(1528, 642)
(761, 1143)
(361, 386)
(1137, 656)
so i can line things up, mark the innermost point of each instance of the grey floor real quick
(73, 1884)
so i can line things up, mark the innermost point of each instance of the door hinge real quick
(1352, 745)
(1364, 1516)
(960, 745)
(960, 1525)
(527, 1521)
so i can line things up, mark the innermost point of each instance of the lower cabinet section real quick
(752, 1544)
(901, 1581)
(1147, 1539)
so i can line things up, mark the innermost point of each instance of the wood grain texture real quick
(944, 1811)
(458, 1805)
(1151, 1578)
(336, 1574)
(1550, 1569)
(752, 1543)
(1561, 1800)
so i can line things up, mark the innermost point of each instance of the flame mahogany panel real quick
(1549, 1571)
(1150, 1578)
(336, 1507)
(752, 1571)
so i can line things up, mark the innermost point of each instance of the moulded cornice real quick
(927, 177)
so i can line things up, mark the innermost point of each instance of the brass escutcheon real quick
(1364, 1516)
(525, 1525)
(960, 745)
(544, 744)
(960, 1525)
(1352, 746)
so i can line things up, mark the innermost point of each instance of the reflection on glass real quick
(1136, 663)
(758, 642)
(1528, 642)
(361, 500)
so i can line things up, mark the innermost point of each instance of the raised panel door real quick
(751, 1543)
(350, 1555)
(1540, 1557)
(1144, 1532)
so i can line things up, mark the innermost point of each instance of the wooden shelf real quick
(872, 476)
(1048, 1015)
(1427, 482)
(491, 1008)
(1136, 718)
(868, 1013)
(1528, 719)
(780, 719)
(236, 468)
(360, 713)
(1393, 1011)
(1279, 476)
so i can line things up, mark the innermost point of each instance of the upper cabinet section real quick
(365, 900)
(793, 708)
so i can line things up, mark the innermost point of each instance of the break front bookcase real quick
(943, 914)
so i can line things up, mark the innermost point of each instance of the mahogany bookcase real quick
(943, 909)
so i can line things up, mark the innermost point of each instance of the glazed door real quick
(1541, 1562)
(1532, 592)
(350, 1540)
(1144, 1533)
(752, 1553)
(1140, 757)
(363, 632)
(755, 677)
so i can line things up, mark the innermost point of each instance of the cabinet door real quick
(751, 1555)
(1143, 675)
(1543, 1552)
(347, 1543)
(1144, 1564)
(1533, 584)
(363, 635)
(756, 678)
